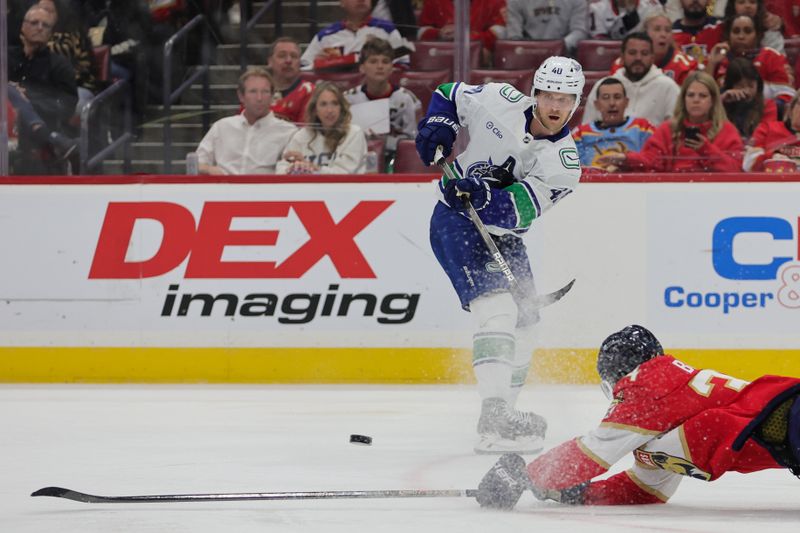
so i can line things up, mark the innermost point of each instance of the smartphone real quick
(692, 132)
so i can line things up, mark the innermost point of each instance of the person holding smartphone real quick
(698, 138)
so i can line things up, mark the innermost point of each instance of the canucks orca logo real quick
(497, 176)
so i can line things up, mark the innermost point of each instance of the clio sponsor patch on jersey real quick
(494, 129)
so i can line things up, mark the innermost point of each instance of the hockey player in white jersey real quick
(519, 162)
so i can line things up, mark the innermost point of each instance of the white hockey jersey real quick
(498, 119)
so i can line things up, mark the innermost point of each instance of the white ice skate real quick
(502, 429)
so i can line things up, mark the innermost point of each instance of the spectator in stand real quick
(541, 20)
(329, 143)
(767, 24)
(487, 19)
(651, 94)
(776, 139)
(698, 139)
(70, 40)
(741, 40)
(614, 132)
(291, 92)
(672, 62)
(696, 33)
(47, 81)
(337, 45)
(398, 12)
(742, 94)
(376, 66)
(787, 12)
(252, 141)
(614, 19)
(125, 27)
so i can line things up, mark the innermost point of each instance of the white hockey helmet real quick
(560, 75)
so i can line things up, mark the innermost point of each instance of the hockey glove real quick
(500, 178)
(434, 131)
(503, 485)
(473, 188)
(570, 496)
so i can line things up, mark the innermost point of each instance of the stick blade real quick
(59, 492)
(547, 299)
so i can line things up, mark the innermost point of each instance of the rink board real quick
(159, 279)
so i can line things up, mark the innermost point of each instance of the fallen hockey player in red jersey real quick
(678, 421)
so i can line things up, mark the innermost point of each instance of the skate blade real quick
(496, 445)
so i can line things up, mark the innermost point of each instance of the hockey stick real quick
(69, 494)
(536, 302)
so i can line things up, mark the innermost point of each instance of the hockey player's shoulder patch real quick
(511, 94)
(569, 158)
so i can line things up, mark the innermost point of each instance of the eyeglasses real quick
(40, 23)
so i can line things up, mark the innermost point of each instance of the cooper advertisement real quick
(726, 263)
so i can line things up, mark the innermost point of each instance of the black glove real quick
(475, 188)
(571, 496)
(499, 178)
(503, 485)
(434, 131)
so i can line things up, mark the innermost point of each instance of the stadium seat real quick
(575, 121)
(102, 62)
(438, 55)
(407, 161)
(792, 47)
(422, 84)
(592, 77)
(525, 54)
(797, 73)
(521, 79)
(344, 80)
(598, 54)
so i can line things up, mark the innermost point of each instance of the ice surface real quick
(126, 440)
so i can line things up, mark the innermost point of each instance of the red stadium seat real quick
(521, 79)
(792, 47)
(797, 73)
(102, 62)
(406, 160)
(422, 84)
(598, 54)
(575, 121)
(344, 80)
(525, 54)
(438, 55)
(592, 77)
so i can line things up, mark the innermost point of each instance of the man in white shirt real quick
(651, 94)
(252, 141)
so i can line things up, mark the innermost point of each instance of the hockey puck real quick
(360, 439)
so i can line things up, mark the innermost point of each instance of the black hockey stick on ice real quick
(69, 494)
(537, 302)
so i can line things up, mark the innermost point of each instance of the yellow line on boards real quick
(333, 365)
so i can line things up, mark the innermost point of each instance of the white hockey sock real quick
(494, 343)
(526, 338)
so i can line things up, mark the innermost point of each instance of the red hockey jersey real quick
(291, 103)
(697, 42)
(774, 69)
(678, 421)
(676, 65)
(484, 16)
